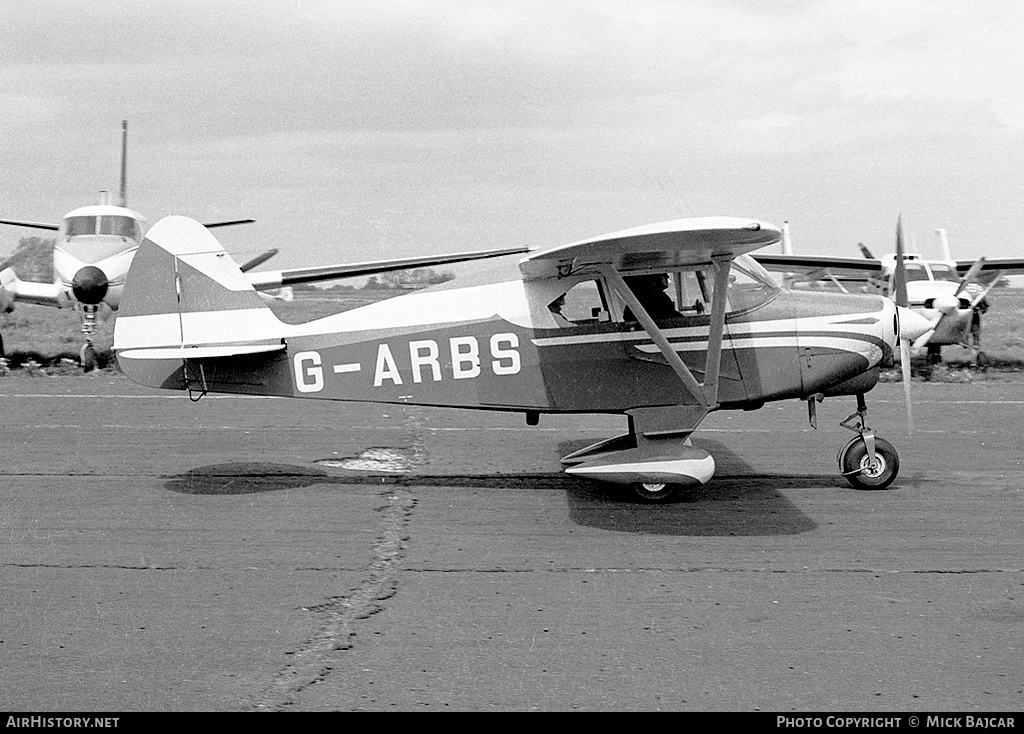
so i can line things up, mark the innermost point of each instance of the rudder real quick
(185, 298)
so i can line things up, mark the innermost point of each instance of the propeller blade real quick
(900, 274)
(970, 275)
(923, 340)
(905, 369)
(984, 293)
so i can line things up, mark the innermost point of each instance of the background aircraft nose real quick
(912, 324)
(89, 285)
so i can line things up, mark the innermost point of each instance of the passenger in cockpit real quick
(555, 307)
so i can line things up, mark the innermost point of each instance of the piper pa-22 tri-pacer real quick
(663, 323)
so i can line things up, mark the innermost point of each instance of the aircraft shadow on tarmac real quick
(738, 502)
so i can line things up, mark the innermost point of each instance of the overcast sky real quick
(355, 130)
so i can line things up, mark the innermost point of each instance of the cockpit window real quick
(108, 225)
(944, 272)
(581, 304)
(916, 271)
(750, 284)
(688, 293)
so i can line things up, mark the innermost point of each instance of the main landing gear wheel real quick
(657, 491)
(861, 472)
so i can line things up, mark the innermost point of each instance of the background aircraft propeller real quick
(903, 302)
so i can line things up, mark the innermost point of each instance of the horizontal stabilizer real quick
(211, 352)
(258, 260)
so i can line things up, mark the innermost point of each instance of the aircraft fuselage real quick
(493, 345)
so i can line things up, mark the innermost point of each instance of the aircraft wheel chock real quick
(861, 473)
(656, 491)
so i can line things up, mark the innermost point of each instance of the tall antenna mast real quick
(124, 163)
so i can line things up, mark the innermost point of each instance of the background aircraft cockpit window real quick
(115, 225)
(944, 272)
(584, 303)
(916, 271)
(78, 226)
(122, 226)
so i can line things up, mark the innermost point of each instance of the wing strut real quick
(713, 361)
(706, 394)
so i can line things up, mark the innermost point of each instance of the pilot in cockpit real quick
(650, 290)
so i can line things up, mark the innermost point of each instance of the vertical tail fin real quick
(185, 298)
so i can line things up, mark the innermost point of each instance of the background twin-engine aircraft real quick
(662, 323)
(94, 250)
(949, 293)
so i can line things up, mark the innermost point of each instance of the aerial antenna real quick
(124, 163)
(678, 197)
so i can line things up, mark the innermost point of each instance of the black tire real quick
(89, 361)
(656, 492)
(858, 471)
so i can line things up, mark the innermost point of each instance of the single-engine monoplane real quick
(663, 323)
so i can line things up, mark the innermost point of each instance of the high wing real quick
(278, 278)
(229, 223)
(993, 266)
(813, 264)
(806, 268)
(672, 244)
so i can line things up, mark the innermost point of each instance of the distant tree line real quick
(393, 281)
(32, 259)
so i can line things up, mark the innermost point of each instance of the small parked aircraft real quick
(663, 323)
(949, 293)
(94, 248)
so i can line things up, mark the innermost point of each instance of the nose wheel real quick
(867, 462)
(88, 353)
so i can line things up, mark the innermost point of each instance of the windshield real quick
(944, 272)
(111, 225)
(750, 284)
(916, 271)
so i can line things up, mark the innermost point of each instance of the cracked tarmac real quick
(234, 555)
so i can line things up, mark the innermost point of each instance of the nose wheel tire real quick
(657, 491)
(861, 472)
(89, 361)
